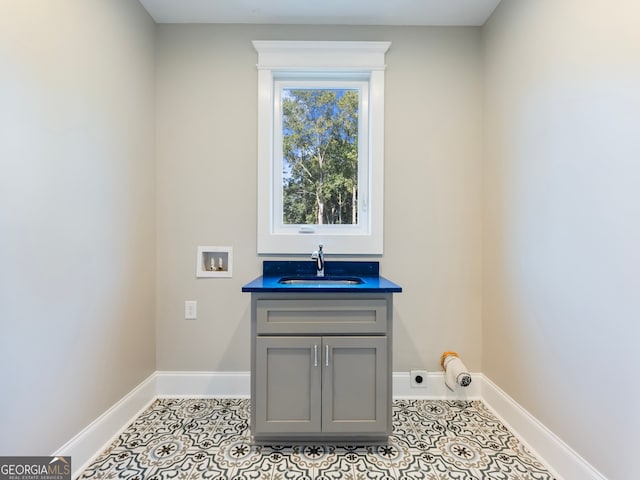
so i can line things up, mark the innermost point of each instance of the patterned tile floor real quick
(192, 439)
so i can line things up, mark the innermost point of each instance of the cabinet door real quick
(355, 383)
(288, 374)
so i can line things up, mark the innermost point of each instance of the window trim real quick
(284, 59)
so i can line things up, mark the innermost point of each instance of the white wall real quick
(206, 192)
(77, 227)
(562, 231)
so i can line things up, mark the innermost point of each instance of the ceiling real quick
(328, 12)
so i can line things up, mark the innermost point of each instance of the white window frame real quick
(280, 62)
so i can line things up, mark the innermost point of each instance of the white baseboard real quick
(100, 433)
(435, 388)
(556, 454)
(203, 384)
(238, 384)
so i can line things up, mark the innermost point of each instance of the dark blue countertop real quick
(368, 272)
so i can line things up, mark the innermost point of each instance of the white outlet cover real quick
(415, 376)
(190, 310)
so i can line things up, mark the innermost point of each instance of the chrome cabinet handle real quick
(326, 355)
(315, 355)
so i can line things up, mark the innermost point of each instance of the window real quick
(320, 146)
(320, 156)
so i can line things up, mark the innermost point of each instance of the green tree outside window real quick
(320, 156)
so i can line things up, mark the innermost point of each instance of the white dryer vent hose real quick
(455, 372)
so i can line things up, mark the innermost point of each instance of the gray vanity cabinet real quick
(321, 367)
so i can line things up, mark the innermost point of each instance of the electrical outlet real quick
(418, 378)
(190, 310)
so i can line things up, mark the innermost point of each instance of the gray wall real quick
(206, 191)
(77, 208)
(554, 202)
(562, 230)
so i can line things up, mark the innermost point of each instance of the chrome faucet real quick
(318, 256)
